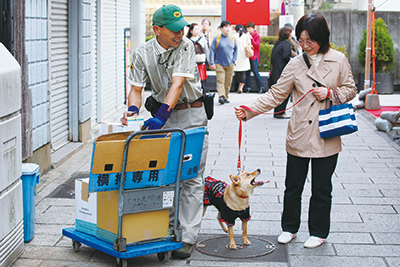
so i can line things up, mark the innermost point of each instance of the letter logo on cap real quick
(177, 14)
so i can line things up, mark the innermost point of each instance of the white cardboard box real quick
(85, 207)
(107, 128)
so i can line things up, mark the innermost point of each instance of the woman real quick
(242, 62)
(280, 56)
(303, 143)
(194, 35)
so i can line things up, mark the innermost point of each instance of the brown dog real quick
(232, 201)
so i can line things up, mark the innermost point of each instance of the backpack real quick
(219, 39)
(199, 51)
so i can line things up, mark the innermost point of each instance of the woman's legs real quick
(319, 213)
(296, 173)
(242, 75)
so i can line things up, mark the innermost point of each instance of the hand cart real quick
(120, 249)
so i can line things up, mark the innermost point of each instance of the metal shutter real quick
(59, 73)
(94, 63)
(109, 58)
(123, 21)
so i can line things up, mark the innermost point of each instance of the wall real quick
(347, 28)
(36, 41)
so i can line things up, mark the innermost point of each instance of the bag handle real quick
(309, 66)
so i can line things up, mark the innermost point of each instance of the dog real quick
(232, 201)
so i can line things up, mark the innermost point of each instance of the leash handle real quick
(270, 113)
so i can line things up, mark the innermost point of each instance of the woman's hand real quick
(321, 93)
(240, 114)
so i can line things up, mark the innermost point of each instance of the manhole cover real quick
(67, 189)
(219, 247)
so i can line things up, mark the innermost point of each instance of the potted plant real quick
(384, 61)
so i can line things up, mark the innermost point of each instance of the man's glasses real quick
(309, 43)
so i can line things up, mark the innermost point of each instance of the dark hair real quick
(239, 28)
(317, 29)
(189, 33)
(209, 22)
(289, 24)
(251, 24)
(224, 23)
(284, 33)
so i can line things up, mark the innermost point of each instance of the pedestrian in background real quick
(242, 62)
(280, 56)
(223, 55)
(201, 52)
(303, 142)
(205, 30)
(293, 42)
(255, 42)
(173, 73)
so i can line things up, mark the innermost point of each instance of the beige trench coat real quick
(303, 138)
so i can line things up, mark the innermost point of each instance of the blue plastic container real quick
(30, 177)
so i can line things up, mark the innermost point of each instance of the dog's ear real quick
(235, 179)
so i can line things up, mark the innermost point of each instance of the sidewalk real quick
(365, 229)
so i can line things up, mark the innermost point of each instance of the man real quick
(205, 31)
(223, 55)
(169, 62)
(255, 41)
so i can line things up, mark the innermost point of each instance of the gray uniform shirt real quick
(159, 65)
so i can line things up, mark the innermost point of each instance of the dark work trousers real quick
(281, 107)
(321, 194)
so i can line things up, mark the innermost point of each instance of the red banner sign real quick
(245, 11)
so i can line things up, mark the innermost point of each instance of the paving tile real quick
(351, 238)
(57, 253)
(393, 261)
(315, 261)
(45, 239)
(298, 249)
(373, 209)
(387, 238)
(56, 215)
(368, 250)
(376, 200)
(27, 262)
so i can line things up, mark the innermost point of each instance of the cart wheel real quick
(76, 245)
(122, 262)
(162, 256)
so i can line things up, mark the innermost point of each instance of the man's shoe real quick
(313, 242)
(226, 100)
(248, 89)
(286, 237)
(184, 252)
(261, 90)
(221, 100)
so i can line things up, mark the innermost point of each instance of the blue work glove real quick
(134, 109)
(159, 120)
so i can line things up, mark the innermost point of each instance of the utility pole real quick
(368, 46)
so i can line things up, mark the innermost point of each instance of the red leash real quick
(239, 164)
(240, 144)
(270, 113)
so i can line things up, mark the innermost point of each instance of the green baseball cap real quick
(171, 17)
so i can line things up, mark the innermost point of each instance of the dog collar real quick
(243, 196)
